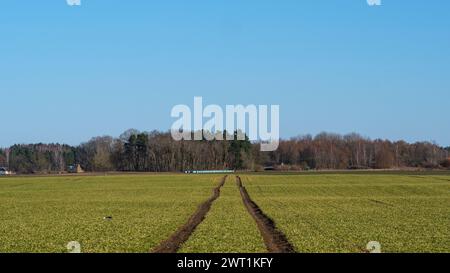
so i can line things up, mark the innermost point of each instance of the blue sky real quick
(70, 73)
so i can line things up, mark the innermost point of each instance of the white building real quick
(4, 171)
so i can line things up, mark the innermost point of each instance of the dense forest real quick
(136, 151)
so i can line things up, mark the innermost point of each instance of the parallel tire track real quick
(275, 240)
(174, 242)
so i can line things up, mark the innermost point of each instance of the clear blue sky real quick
(70, 73)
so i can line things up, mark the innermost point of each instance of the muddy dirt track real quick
(275, 240)
(174, 242)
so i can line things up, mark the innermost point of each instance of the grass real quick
(228, 228)
(42, 214)
(343, 212)
(326, 212)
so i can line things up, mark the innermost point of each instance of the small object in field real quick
(108, 218)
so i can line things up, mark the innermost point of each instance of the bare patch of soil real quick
(275, 240)
(174, 242)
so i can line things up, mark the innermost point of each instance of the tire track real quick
(176, 240)
(275, 240)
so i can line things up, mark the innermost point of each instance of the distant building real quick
(75, 169)
(4, 171)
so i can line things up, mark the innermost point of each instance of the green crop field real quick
(43, 214)
(342, 213)
(317, 213)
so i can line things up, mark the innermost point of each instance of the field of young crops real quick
(43, 214)
(316, 213)
(342, 213)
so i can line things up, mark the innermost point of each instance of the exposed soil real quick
(275, 240)
(174, 242)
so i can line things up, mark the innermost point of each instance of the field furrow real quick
(174, 242)
(275, 240)
(227, 228)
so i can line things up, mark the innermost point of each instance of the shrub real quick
(445, 163)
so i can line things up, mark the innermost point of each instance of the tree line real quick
(135, 151)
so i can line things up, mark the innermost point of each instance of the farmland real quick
(43, 214)
(405, 212)
(342, 213)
